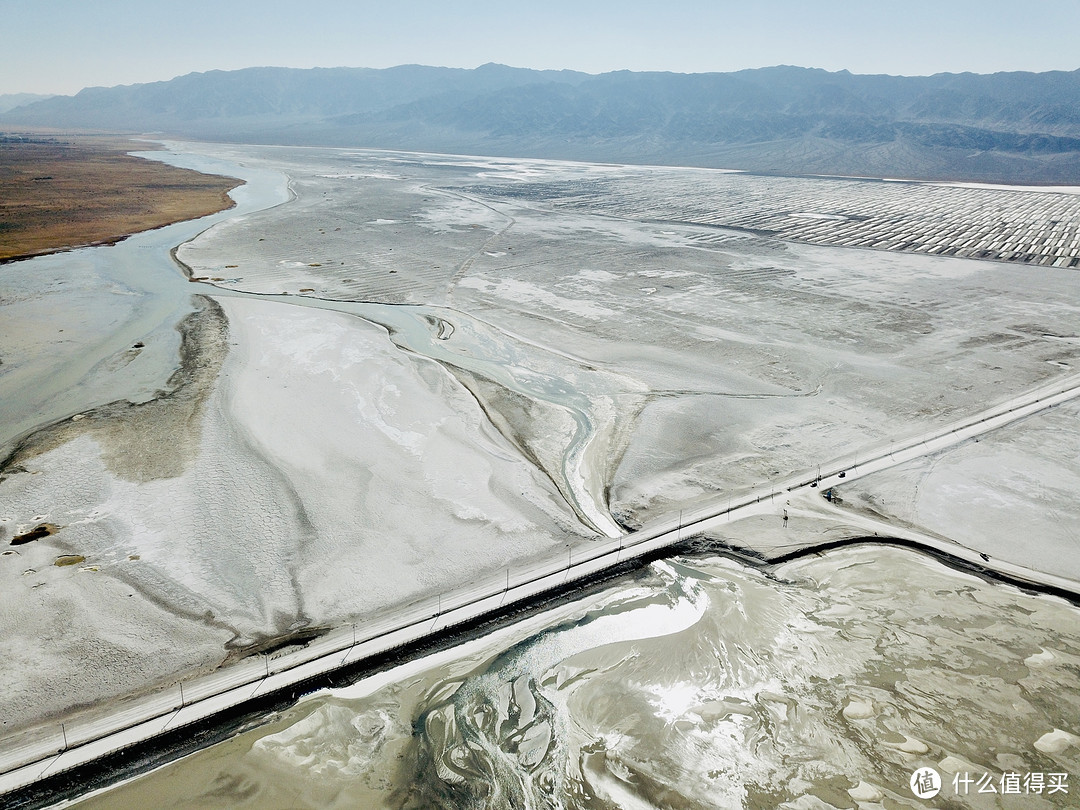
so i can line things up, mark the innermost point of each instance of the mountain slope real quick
(1017, 127)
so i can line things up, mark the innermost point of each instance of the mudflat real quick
(63, 190)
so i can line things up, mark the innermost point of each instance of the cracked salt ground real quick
(700, 683)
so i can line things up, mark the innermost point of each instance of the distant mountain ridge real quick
(1009, 127)
(9, 101)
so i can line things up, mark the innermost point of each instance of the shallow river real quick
(87, 327)
(699, 683)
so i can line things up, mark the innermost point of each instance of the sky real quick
(61, 46)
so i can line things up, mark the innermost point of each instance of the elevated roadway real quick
(45, 751)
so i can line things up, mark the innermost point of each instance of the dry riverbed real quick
(416, 373)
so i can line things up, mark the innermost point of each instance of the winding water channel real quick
(130, 297)
(696, 682)
(73, 319)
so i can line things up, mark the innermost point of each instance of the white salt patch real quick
(596, 275)
(361, 176)
(910, 745)
(953, 764)
(859, 710)
(807, 802)
(675, 700)
(1056, 741)
(865, 792)
(525, 292)
(1040, 659)
(647, 273)
(332, 740)
(808, 215)
(995, 186)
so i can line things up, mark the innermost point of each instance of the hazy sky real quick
(61, 46)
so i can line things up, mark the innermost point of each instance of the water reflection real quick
(700, 684)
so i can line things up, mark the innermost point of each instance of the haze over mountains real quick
(9, 101)
(1007, 127)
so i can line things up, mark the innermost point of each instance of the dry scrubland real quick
(428, 368)
(66, 190)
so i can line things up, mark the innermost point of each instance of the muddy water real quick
(701, 683)
(480, 354)
(96, 325)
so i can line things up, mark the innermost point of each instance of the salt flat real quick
(370, 481)
(696, 683)
(421, 369)
(730, 358)
(1007, 495)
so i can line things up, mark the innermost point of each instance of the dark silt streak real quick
(117, 308)
(468, 348)
(699, 682)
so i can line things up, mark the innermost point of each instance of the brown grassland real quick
(62, 191)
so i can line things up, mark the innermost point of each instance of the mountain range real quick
(9, 101)
(1004, 127)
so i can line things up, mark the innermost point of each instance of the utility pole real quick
(63, 730)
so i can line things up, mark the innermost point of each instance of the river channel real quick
(698, 683)
(86, 327)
